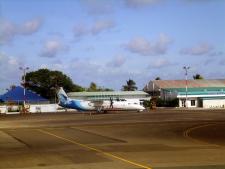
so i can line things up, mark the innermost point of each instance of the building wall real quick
(218, 103)
(209, 103)
(3, 109)
(190, 102)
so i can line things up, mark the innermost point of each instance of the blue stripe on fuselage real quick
(73, 104)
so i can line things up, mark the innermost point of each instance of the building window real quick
(192, 102)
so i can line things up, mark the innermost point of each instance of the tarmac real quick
(159, 139)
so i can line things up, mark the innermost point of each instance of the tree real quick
(105, 89)
(93, 88)
(130, 86)
(157, 78)
(45, 82)
(197, 77)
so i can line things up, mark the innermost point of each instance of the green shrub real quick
(167, 103)
(146, 103)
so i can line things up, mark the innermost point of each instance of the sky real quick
(111, 41)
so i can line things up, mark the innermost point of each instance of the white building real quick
(200, 93)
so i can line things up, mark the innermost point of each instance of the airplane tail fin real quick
(62, 96)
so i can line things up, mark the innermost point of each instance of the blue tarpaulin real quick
(17, 95)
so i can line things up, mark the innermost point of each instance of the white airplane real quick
(100, 106)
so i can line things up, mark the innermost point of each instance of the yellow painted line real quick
(95, 149)
(186, 134)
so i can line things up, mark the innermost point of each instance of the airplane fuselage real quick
(84, 105)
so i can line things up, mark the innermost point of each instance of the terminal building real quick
(106, 95)
(200, 93)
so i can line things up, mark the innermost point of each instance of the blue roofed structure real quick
(16, 94)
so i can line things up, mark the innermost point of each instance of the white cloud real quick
(117, 62)
(159, 63)
(9, 68)
(9, 30)
(222, 62)
(86, 66)
(31, 26)
(144, 47)
(199, 49)
(139, 3)
(80, 30)
(86, 71)
(162, 44)
(139, 45)
(209, 61)
(13, 61)
(98, 7)
(103, 25)
(3, 58)
(6, 60)
(52, 48)
(217, 54)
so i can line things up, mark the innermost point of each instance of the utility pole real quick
(186, 74)
(24, 83)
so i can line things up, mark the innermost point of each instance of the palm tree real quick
(130, 86)
(92, 87)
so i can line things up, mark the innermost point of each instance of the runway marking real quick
(186, 134)
(99, 135)
(95, 149)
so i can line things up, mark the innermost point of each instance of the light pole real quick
(186, 73)
(24, 83)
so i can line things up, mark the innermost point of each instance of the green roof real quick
(203, 93)
(199, 89)
(212, 98)
(108, 93)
